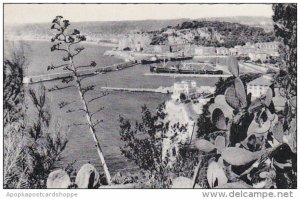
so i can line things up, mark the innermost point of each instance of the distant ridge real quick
(124, 27)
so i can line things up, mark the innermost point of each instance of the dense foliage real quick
(233, 33)
(222, 84)
(32, 142)
(255, 146)
(285, 28)
(143, 143)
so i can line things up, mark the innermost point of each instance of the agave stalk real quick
(68, 40)
(89, 118)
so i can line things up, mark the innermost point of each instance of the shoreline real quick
(103, 44)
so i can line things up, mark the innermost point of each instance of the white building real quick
(204, 51)
(259, 86)
(222, 51)
(188, 88)
(258, 56)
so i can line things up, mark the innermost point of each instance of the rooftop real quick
(265, 80)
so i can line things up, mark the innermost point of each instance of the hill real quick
(102, 29)
(211, 33)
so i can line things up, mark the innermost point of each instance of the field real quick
(81, 146)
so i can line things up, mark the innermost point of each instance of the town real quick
(196, 101)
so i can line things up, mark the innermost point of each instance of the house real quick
(258, 56)
(267, 45)
(186, 89)
(259, 86)
(204, 51)
(233, 51)
(222, 51)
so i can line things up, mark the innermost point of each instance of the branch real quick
(81, 109)
(67, 79)
(88, 88)
(62, 104)
(97, 123)
(92, 64)
(52, 67)
(59, 88)
(86, 76)
(78, 50)
(93, 99)
(100, 109)
(78, 124)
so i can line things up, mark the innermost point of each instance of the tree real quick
(285, 28)
(204, 124)
(31, 146)
(13, 118)
(66, 42)
(144, 142)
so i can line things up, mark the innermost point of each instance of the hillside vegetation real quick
(212, 33)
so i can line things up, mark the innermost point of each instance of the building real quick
(222, 51)
(255, 56)
(233, 51)
(259, 86)
(204, 51)
(267, 45)
(188, 89)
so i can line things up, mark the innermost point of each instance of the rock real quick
(87, 177)
(58, 179)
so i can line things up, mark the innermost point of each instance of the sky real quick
(39, 13)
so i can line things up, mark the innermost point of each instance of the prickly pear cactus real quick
(218, 119)
(240, 92)
(204, 145)
(87, 177)
(233, 66)
(231, 98)
(58, 179)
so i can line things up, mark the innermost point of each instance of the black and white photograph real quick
(149, 96)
